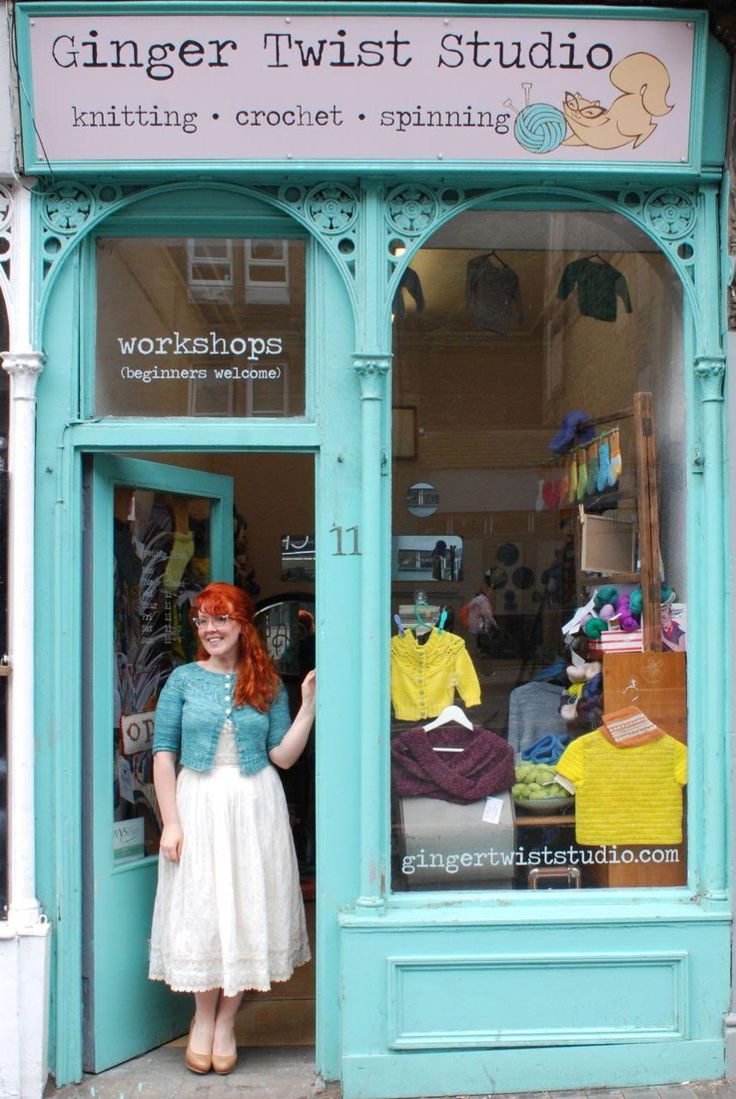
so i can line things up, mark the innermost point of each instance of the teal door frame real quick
(356, 272)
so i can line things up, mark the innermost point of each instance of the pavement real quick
(264, 1073)
(288, 1073)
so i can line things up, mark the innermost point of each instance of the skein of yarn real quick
(540, 128)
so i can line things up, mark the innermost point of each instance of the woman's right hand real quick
(172, 840)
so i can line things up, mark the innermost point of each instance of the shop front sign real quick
(139, 88)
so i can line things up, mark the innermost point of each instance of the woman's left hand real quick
(309, 688)
(291, 747)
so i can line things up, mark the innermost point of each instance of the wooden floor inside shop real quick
(285, 1016)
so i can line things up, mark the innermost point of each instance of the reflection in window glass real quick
(162, 561)
(200, 327)
(533, 351)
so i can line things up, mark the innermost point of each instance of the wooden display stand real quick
(647, 511)
(653, 680)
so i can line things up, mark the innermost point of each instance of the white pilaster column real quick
(25, 936)
(23, 368)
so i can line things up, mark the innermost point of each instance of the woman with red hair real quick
(229, 914)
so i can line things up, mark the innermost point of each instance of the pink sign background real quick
(142, 88)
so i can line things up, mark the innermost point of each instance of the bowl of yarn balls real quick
(535, 789)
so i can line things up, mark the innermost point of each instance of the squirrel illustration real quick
(645, 81)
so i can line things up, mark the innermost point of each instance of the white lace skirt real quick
(230, 914)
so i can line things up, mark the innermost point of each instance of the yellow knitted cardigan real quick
(424, 677)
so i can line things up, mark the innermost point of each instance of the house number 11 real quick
(340, 552)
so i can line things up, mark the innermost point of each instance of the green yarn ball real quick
(608, 594)
(594, 627)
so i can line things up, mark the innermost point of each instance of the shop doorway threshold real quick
(288, 1073)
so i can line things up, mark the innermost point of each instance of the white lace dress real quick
(229, 914)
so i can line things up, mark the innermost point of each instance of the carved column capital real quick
(372, 368)
(24, 368)
(710, 371)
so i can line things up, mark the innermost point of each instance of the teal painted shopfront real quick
(410, 320)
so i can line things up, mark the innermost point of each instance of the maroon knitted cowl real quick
(484, 767)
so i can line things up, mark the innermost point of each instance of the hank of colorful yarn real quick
(667, 594)
(626, 619)
(607, 594)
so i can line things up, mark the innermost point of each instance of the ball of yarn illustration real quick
(540, 128)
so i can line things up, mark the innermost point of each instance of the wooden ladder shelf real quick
(647, 510)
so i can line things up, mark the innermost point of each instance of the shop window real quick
(200, 327)
(162, 559)
(539, 587)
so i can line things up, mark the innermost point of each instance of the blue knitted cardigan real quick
(192, 709)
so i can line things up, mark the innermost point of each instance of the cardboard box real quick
(607, 544)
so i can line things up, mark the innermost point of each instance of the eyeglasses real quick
(201, 621)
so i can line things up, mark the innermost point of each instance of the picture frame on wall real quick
(404, 431)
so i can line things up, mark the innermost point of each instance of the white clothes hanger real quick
(450, 713)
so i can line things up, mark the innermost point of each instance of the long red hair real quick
(257, 682)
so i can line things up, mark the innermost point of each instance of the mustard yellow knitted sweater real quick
(626, 795)
(424, 677)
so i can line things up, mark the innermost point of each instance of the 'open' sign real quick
(137, 732)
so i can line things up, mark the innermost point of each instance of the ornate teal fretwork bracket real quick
(710, 371)
(67, 209)
(671, 213)
(329, 210)
(332, 211)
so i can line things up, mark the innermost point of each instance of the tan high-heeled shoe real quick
(200, 1063)
(222, 1064)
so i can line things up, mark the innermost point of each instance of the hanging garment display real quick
(451, 763)
(410, 282)
(493, 294)
(424, 677)
(599, 286)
